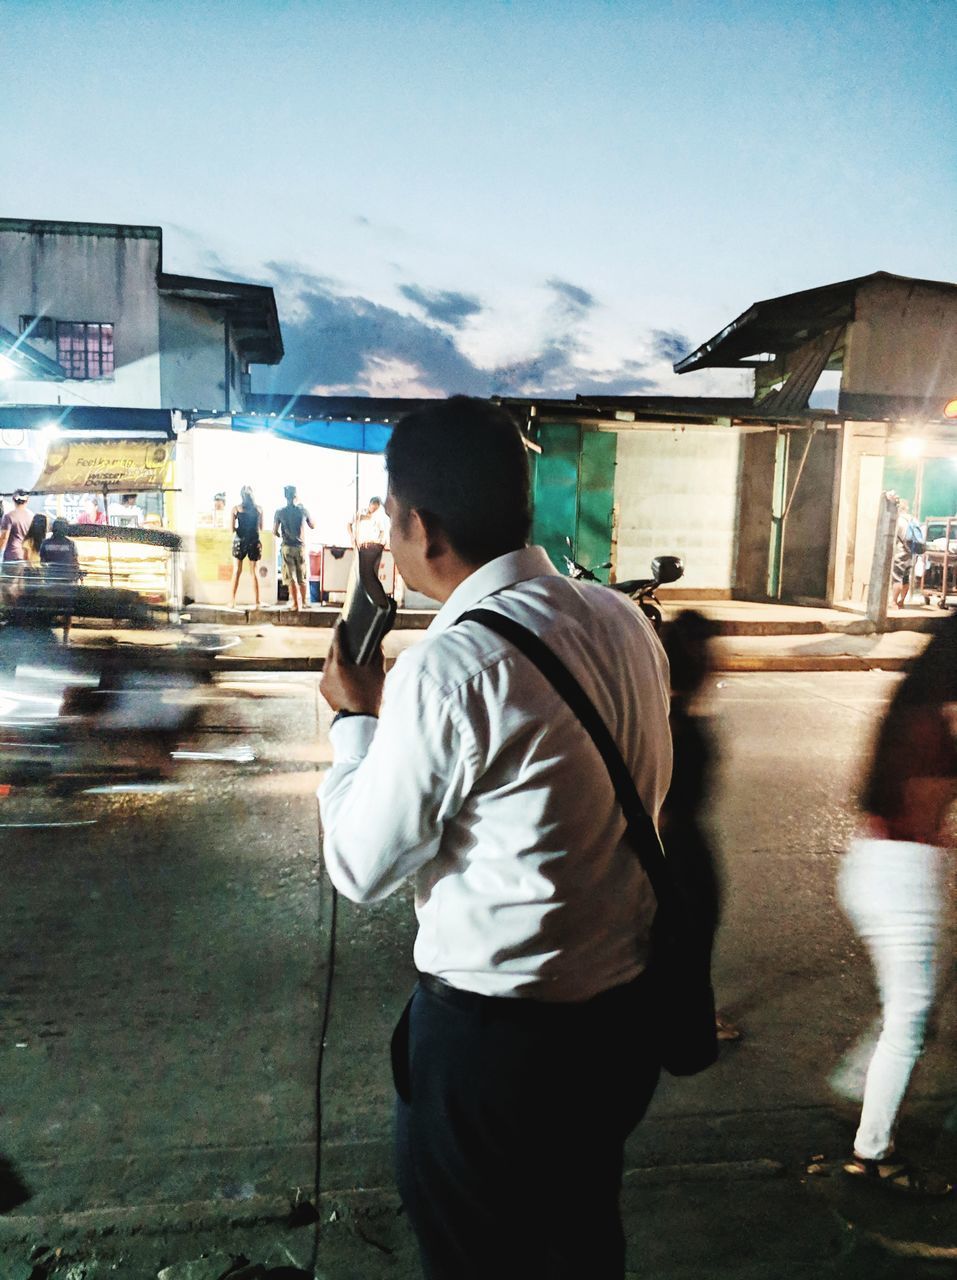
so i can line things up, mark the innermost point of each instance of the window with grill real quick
(85, 350)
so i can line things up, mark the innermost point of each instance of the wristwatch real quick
(343, 715)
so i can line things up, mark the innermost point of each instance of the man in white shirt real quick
(524, 1058)
(369, 534)
(370, 528)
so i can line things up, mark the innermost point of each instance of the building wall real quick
(193, 366)
(677, 493)
(107, 277)
(902, 341)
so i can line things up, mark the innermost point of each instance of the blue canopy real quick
(352, 437)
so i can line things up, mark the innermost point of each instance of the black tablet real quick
(368, 613)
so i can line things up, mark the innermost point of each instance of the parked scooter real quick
(664, 569)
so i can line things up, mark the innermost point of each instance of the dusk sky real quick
(495, 197)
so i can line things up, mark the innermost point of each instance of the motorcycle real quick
(664, 569)
(113, 714)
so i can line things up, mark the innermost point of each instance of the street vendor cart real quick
(139, 558)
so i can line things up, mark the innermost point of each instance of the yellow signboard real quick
(119, 466)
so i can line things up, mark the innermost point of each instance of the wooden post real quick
(109, 545)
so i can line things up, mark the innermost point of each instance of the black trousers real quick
(511, 1119)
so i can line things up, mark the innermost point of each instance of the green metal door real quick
(596, 498)
(573, 492)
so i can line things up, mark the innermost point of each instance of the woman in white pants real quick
(890, 886)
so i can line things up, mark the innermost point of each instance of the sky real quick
(498, 198)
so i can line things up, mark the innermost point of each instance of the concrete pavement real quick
(751, 637)
(164, 959)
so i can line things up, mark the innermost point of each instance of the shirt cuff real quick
(351, 737)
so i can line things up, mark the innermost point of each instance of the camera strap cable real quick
(330, 958)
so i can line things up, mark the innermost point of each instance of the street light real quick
(911, 446)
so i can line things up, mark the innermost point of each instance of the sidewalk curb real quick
(723, 663)
(808, 662)
(207, 1215)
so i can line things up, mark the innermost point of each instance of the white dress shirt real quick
(372, 529)
(479, 780)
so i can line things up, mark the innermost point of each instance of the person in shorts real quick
(287, 524)
(247, 521)
(14, 528)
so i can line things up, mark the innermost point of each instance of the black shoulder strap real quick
(642, 833)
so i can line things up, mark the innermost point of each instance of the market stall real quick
(119, 544)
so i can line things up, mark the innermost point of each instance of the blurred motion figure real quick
(890, 886)
(687, 641)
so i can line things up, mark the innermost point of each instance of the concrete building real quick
(776, 495)
(95, 299)
(811, 478)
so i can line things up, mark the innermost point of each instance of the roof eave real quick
(262, 342)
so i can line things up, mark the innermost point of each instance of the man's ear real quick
(432, 538)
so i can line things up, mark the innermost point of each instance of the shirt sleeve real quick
(393, 785)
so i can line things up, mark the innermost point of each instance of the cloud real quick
(574, 299)
(669, 344)
(341, 343)
(337, 341)
(445, 306)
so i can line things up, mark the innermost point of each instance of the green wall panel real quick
(596, 497)
(939, 496)
(573, 491)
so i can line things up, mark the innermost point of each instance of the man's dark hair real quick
(290, 492)
(461, 463)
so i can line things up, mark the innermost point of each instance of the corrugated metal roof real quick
(781, 324)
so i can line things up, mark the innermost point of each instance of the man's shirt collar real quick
(496, 575)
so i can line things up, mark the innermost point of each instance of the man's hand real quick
(347, 687)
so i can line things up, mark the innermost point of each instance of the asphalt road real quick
(164, 954)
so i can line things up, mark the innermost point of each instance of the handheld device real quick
(368, 613)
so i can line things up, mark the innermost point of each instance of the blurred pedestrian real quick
(127, 513)
(891, 887)
(61, 572)
(686, 831)
(91, 512)
(247, 522)
(14, 527)
(33, 542)
(288, 523)
(908, 543)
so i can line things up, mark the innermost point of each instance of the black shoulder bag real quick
(680, 963)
